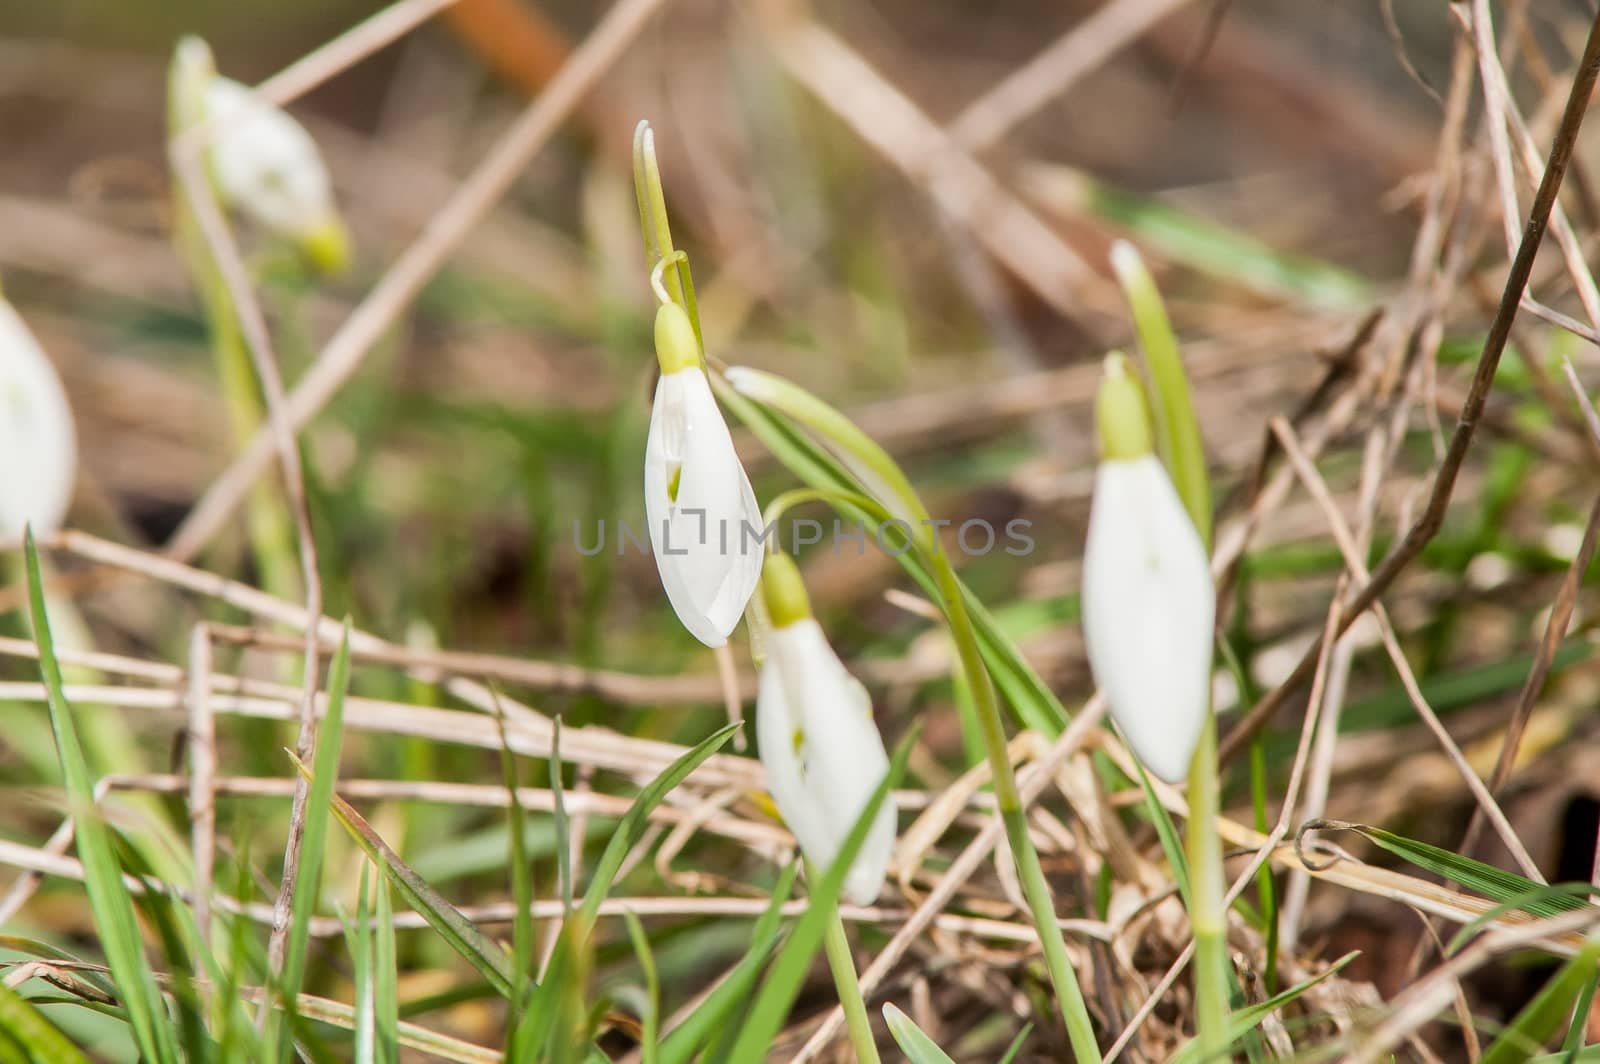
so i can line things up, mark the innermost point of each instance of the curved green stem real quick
(864, 454)
(1182, 449)
(843, 966)
(1208, 914)
(1041, 904)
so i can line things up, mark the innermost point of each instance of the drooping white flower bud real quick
(267, 166)
(264, 163)
(817, 740)
(38, 446)
(1149, 602)
(705, 523)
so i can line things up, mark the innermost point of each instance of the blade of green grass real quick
(328, 742)
(457, 931)
(1244, 1020)
(109, 899)
(637, 819)
(562, 823)
(32, 1034)
(1518, 902)
(1540, 1017)
(556, 1004)
(1494, 883)
(1589, 1054)
(650, 1037)
(913, 1040)
(521, 872)
(1167, 832)
(1016, 1044)
(1578, 1025)
(1264, 886)
(782, 984)
(1203, 245)
(358, 938)
(711, 1017)
(385, 992)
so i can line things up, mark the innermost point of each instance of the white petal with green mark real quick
(822, 782)
(698, 503)
(1148, 609)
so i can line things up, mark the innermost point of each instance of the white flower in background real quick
(817, 740)
(38, 446)
(264, 163)
(267, 166)
(705, 524)
(1148, 598)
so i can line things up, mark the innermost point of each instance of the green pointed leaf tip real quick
(109, 898)
(784, 591)
(1178, 439)
(1489, 880)
(1121, 417)
(912, 1040)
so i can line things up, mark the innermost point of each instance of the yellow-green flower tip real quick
(676, 345)
(784, 591)
(327, 246)
(1120, 414)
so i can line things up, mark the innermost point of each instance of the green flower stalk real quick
(824, 759)
(1164, 614)
(261, 163)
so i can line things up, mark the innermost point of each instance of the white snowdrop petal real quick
(38, 445)
(1148, 611)
(709, 564)
(265, 163)
(778, 740)
(842, 759)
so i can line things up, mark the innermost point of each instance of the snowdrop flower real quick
(264, 163)
(705, 524)
(814, 729)
(38, 447)
(1148, 599)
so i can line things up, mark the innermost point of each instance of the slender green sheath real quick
(1181, 448)
(1041, 905)
(266, 515)
(843, 967)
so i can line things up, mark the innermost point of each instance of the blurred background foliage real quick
(1270, 156)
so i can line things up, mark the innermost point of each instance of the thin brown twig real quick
(1432, 518)
(202, 743)
(897, 128)
(1050, 74)
(332, 58)
(1352, 558)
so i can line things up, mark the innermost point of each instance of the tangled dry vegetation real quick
(907, 210)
